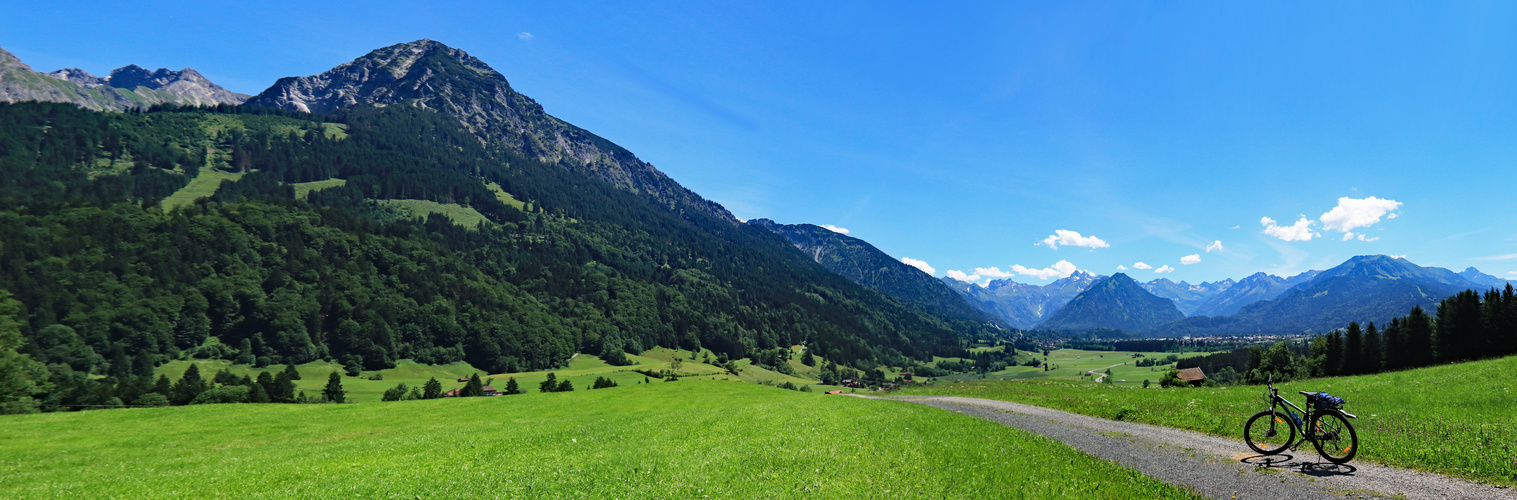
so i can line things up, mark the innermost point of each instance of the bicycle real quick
(1325, 422)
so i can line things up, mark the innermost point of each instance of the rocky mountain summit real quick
(1117, 302)
(127, 87)
(432, 75)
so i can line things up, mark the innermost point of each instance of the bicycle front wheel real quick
(1269, 432)
(1336, 440)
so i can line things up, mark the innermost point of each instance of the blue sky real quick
(966, 136)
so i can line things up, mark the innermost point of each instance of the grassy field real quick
(461, 215)
(1072, 364)
(686, 439)
(504, 197)
(303, 189)
(1458, 419)
(204, 184)
(581, 371)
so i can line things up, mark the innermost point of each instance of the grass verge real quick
(1458, 419)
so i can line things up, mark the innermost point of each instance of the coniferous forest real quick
(105, 283)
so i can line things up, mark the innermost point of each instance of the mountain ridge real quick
(127, 87)
(1117, 302)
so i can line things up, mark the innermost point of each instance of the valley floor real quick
(685, 439)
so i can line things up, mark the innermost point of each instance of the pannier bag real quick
(1327, 401)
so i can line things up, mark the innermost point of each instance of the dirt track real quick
(1213, 466)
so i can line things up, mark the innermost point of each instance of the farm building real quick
(1192, 375)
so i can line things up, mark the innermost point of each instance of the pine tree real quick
(1395, 345)
(549, 385)
(1419, 338)
(188, 386)
(21, 377)
(258, 394)
(283, 389)
(807, 359)
(432, 390)
(291, 372)
(565, 386)
(333, 391)
(511, 387)
(473, 388)
(162, 385)
(1372, 359)
(1353, 348)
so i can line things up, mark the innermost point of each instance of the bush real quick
(151, 399)
(223, 394)
(615, 357)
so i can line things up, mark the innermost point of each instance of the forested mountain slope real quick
(431, 75)
(109, 283)
(866, 265)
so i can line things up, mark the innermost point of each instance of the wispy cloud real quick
(993, 272)
(1164, 269)
(1121, 267)
(835, 229)
(1190, 259)
(524, 36)
(1073, 239)
(1509, 256)
(1215, 245)
(1141, 265)
(919, 264)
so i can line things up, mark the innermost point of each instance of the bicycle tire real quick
(1264, 439)
(1336, 439)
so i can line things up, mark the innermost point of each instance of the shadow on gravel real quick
(1315, 469)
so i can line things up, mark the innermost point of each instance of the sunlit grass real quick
(686, 439)
(1458, 419)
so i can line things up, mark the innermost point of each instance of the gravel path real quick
(1213, 466)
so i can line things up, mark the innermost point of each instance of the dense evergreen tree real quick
(432, 390)
(512, 387)
(333, 391)
(21, 377)
(188, 387)
(474, 388)
(1372, 357)
(291, 372)
(1353, 348)
(549, 385)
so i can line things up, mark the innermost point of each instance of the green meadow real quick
(1457, 419)
(204, 184)
(1073, 364)
(684, 439)
(417, 209)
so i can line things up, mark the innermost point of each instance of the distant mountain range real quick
(1118, 303)
(127, 87)
(866, 265)
(1187, 297)
(1020, 304)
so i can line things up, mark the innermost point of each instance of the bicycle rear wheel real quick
(1336, 440)
(1269, 432)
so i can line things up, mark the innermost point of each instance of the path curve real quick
(1103, 375)
(1214, 466)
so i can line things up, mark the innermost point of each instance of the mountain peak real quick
(429, 74)
(9, 60)
(1116, 302)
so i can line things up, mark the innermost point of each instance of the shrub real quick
(223, 394)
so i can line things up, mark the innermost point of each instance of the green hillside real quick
(686, 439)
(1457, 419)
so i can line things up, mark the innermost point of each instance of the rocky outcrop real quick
(432, 75)
(128, 87)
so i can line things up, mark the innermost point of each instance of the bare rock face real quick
(432, 75)
(128, 87)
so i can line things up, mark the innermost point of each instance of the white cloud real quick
(1141, 265)
(1348, 236)
(1362, 238)
(1237, 226)
(1300, 231)
(524, 35)
(1164, 269)
(1498, 257)
(1215, 245)
(1353, 213)
(1402, 256)
(1511, 273)
(1190, 259)
(1073, 239)
(835, 229)
(992, 272)
(959, 275)
(919, 264)
(1060, 269)
(1121, 267)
